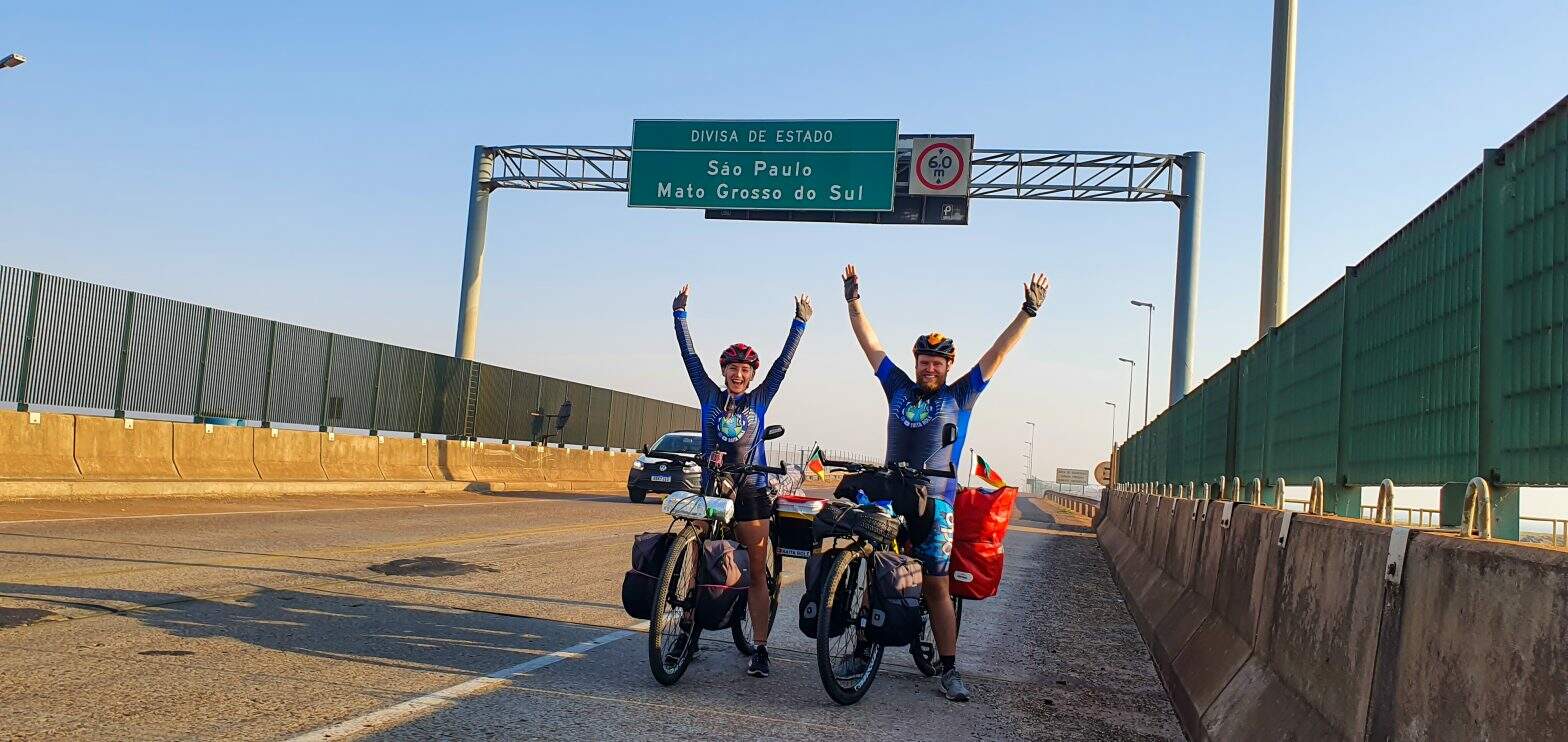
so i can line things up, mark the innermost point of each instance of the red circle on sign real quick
(922, 158)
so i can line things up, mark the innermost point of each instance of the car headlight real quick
(637, 464)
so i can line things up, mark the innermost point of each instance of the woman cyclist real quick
(732, 422)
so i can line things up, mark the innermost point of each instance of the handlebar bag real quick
(723, 581)
(896, 618)
(810, 601)
(642, 580)
(909, 496)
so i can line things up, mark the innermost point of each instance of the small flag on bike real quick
(815, 465)
(985, 472)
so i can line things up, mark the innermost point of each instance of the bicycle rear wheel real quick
(845, 675)
(672, 630)
(740, 631)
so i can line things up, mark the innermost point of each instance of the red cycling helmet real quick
(739, 353)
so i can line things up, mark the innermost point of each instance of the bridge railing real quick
(82, 347)
(1439, 357)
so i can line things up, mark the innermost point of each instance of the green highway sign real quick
(764, 165)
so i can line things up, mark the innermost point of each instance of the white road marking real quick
(516, 501)
(432, 701)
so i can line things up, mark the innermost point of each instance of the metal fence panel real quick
(16, 294)
(1181, 427)
(1413, 348)
(351, 383)
(164, 357)
(1215, 416)
(524, 407)
(576, 431)
(552, 393)
(1533, 429)
(497, 386)
(1254, 391)
(299, 371)
(599, 420)
(404, 378)
(1304, 410)
(235, 371)
(448, 394)
(76, 345)
(652, 425)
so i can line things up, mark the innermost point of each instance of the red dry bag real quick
(980, 519)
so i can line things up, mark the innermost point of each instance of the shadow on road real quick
(339, 627)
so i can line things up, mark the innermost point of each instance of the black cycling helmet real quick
(935, 344)
(739, 353)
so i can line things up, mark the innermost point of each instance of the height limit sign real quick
(939, 166)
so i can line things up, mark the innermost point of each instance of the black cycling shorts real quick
(752, 502)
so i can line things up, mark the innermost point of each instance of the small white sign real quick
(939, 166)
(1078, 477)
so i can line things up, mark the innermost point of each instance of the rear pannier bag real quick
(816, 574)
(723, 581)
(642, 580)
(896, 618)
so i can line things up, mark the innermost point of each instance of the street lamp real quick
(1132, 373)
(1113, 423)
(1031, 448)
(1148, 348)
(12, 60)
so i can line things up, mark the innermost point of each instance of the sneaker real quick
(953, 686)
(853, 666)
(678, 647)
(759, 663)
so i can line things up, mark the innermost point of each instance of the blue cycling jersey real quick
(729, 422)
(915, 420)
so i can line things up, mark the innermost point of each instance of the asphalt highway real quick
(469, 616)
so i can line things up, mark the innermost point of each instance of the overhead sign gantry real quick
(849, 159)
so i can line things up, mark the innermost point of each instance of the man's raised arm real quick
(857, 319)
(1034, 296)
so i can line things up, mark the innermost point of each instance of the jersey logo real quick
(917, 412)
(732, 426)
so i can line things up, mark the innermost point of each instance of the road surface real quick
(472, 615)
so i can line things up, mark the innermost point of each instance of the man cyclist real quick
(732, 421)
(918, 410)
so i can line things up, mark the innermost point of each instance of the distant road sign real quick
(1102, 473)
(940, 210)
(1078, 477)
(939, 166)
(802, 165)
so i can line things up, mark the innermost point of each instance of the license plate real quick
(800, 553)
(662, 478)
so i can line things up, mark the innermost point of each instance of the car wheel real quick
(637, 495)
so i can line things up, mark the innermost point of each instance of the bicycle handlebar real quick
(855, 466)
(742, 468)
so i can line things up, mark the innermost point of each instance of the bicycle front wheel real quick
(846, 663)
(672, 630)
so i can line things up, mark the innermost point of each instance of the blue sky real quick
(309, 162)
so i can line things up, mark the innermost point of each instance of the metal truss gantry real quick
(1014, 174)
(1020, 174)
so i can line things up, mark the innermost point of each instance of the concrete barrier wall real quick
(1312, 640)
(38, 445)
(404, 459)
(214, 452)
(287, 455)
(352, 457)
(114, 448)
(52, 447)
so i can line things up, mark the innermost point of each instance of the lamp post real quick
(12, 60)
(1031, 425)
(1113, 423)
(1132, 373)
(1147, 353)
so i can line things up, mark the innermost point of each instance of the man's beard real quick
(930, 385)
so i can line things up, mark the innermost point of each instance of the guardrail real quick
(81, 347)
(1429, 362)
(1085, 506)
(1559, 528)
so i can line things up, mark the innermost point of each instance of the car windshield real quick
(690, 445)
